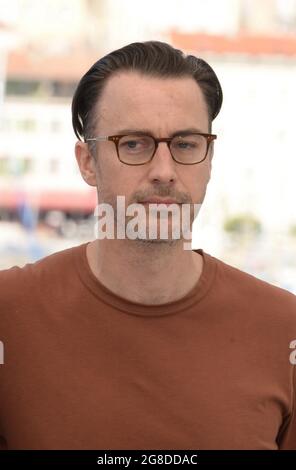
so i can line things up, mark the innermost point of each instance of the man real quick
(134, 342)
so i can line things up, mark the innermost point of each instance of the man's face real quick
(160, 106)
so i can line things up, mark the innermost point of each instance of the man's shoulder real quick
(16, 279)
(255, 292)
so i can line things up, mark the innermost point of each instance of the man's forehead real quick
(138, 95)
(134, 86)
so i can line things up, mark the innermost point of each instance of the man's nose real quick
(162, 166)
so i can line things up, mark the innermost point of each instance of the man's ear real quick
(86, 163)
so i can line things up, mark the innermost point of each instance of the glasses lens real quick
(135, 149)
(189, 149)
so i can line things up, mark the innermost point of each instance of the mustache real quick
(164, 192)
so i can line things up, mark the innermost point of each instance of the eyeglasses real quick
(134, 149)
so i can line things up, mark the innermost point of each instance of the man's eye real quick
(186, 145)
(131, 143)
(135, 144)
(183, 144)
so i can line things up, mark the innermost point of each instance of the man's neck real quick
(146, 273)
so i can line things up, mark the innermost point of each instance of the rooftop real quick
(240, 44)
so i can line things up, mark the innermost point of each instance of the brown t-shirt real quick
(87, 369)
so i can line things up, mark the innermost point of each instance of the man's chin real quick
(157, 241)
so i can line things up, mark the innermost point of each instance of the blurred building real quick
(37, 143)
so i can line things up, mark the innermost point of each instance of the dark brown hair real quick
(152, 58)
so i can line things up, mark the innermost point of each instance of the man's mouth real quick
(156, 200)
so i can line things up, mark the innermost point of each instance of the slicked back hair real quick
(151, 58)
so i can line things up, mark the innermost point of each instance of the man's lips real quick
(154, 200)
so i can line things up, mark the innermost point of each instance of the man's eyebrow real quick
(189, 130)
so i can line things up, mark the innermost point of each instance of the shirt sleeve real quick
(287, 440)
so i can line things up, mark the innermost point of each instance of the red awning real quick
(50, 200)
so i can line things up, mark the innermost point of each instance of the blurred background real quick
(248, 218)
